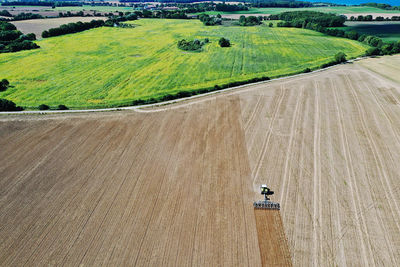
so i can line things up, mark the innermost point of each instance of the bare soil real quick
(273, 244)
(37, 26)
(175, 185)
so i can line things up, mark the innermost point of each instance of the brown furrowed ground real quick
(175, 186)
(274, 249)
(37, 26)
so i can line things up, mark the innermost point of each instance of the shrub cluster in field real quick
(209, 20)
(194, 45)
(249, 21)
(12, 40)
(223, 42)
(47, 107)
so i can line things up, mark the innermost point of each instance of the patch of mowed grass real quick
(106, 67)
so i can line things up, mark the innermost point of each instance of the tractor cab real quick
(266, 204)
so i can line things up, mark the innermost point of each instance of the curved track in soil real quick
(175, 187)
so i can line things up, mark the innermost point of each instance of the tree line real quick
(12, 40)
(83, 26)
(300, 18)
(72, 28)
(371, 18)
(281, 3)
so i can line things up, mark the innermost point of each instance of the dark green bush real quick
(4, 85)
(373, 51)
(62, 107)
(43, 107)
(223, 42)
(340, 57)
(7, 105)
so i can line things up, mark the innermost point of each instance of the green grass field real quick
(386, 30)
(113, 66)
(334, 9)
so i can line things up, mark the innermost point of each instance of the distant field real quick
(387, 30)
(37, 26)
(46, 11)
(96, 8)
(114, 66)
(336, 10)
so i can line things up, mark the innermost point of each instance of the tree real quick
(362, 37)
(340, 57)
(4, 85)
(373, 41)
(224, 42)
(242, 20)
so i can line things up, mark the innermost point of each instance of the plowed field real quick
(175, 185)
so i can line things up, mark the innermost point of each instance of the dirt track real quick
(176, 187)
